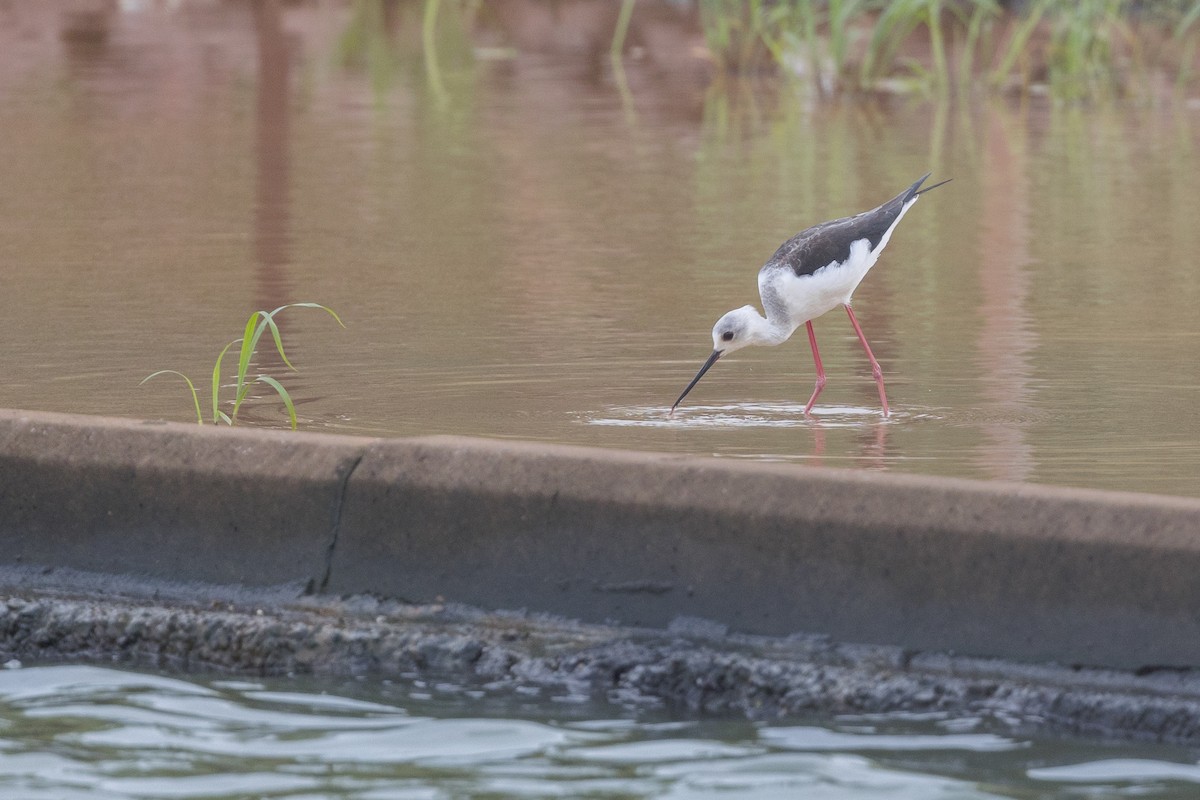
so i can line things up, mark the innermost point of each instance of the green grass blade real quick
(893, 26)
(249, 342)
(191, 387)
(618, 41)
(326, 309)
(216, 380)
(941, 68)
(279, 342)
(259, 322)
(283, 394)
(251, 335)
(842, 14)
(1016, 45)
(1189, 19)
(983, 11)
(256, 325)
(269, 320)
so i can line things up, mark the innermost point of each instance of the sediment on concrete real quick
(691, 667)
(1028, 573)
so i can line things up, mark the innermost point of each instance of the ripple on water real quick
(1118, 770)
(751, 415)
(76, 733)
(815, 739)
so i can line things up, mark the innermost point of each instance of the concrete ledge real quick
(169, 501)
(1021, 572)
(1011, 571)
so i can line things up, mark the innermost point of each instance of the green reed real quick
(826, 34)
(1184, 33)
(1077, 49)
(258, 323)
(1078, 54)
(748, 35)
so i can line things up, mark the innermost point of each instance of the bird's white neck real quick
(769, 330)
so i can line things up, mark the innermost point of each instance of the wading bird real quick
(811, 273)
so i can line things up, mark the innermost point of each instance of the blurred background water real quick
(524, 242)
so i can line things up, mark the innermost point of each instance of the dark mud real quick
(694, 667)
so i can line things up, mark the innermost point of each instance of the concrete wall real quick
(1013, 571)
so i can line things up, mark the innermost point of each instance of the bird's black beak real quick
(707, 364)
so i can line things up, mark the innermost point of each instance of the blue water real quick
(75, 732)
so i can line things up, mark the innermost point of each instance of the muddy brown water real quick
(524, 243)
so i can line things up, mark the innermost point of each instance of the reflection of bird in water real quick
(811, 273)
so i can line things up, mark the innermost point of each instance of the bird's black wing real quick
(815, 247)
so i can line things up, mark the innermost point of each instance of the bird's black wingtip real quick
(914, 190)
(928, 188)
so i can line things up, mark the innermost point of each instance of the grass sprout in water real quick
(258, 323)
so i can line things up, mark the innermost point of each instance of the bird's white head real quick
(740, 327)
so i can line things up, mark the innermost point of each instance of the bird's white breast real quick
(807, 297)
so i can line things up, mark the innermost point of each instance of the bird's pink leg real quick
(876, 372)
(812, 340)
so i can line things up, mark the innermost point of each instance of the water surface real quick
(89, 733)
(525, 244)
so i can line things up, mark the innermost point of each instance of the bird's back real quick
(821, 245)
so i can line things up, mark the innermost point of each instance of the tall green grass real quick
(258, 324)
(1186, 29)
(1073, 49)
(826, 35)
(748, 35)
(1076, 50)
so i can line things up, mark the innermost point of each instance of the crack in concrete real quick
(339, 501)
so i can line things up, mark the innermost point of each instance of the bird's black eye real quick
(727, 336)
